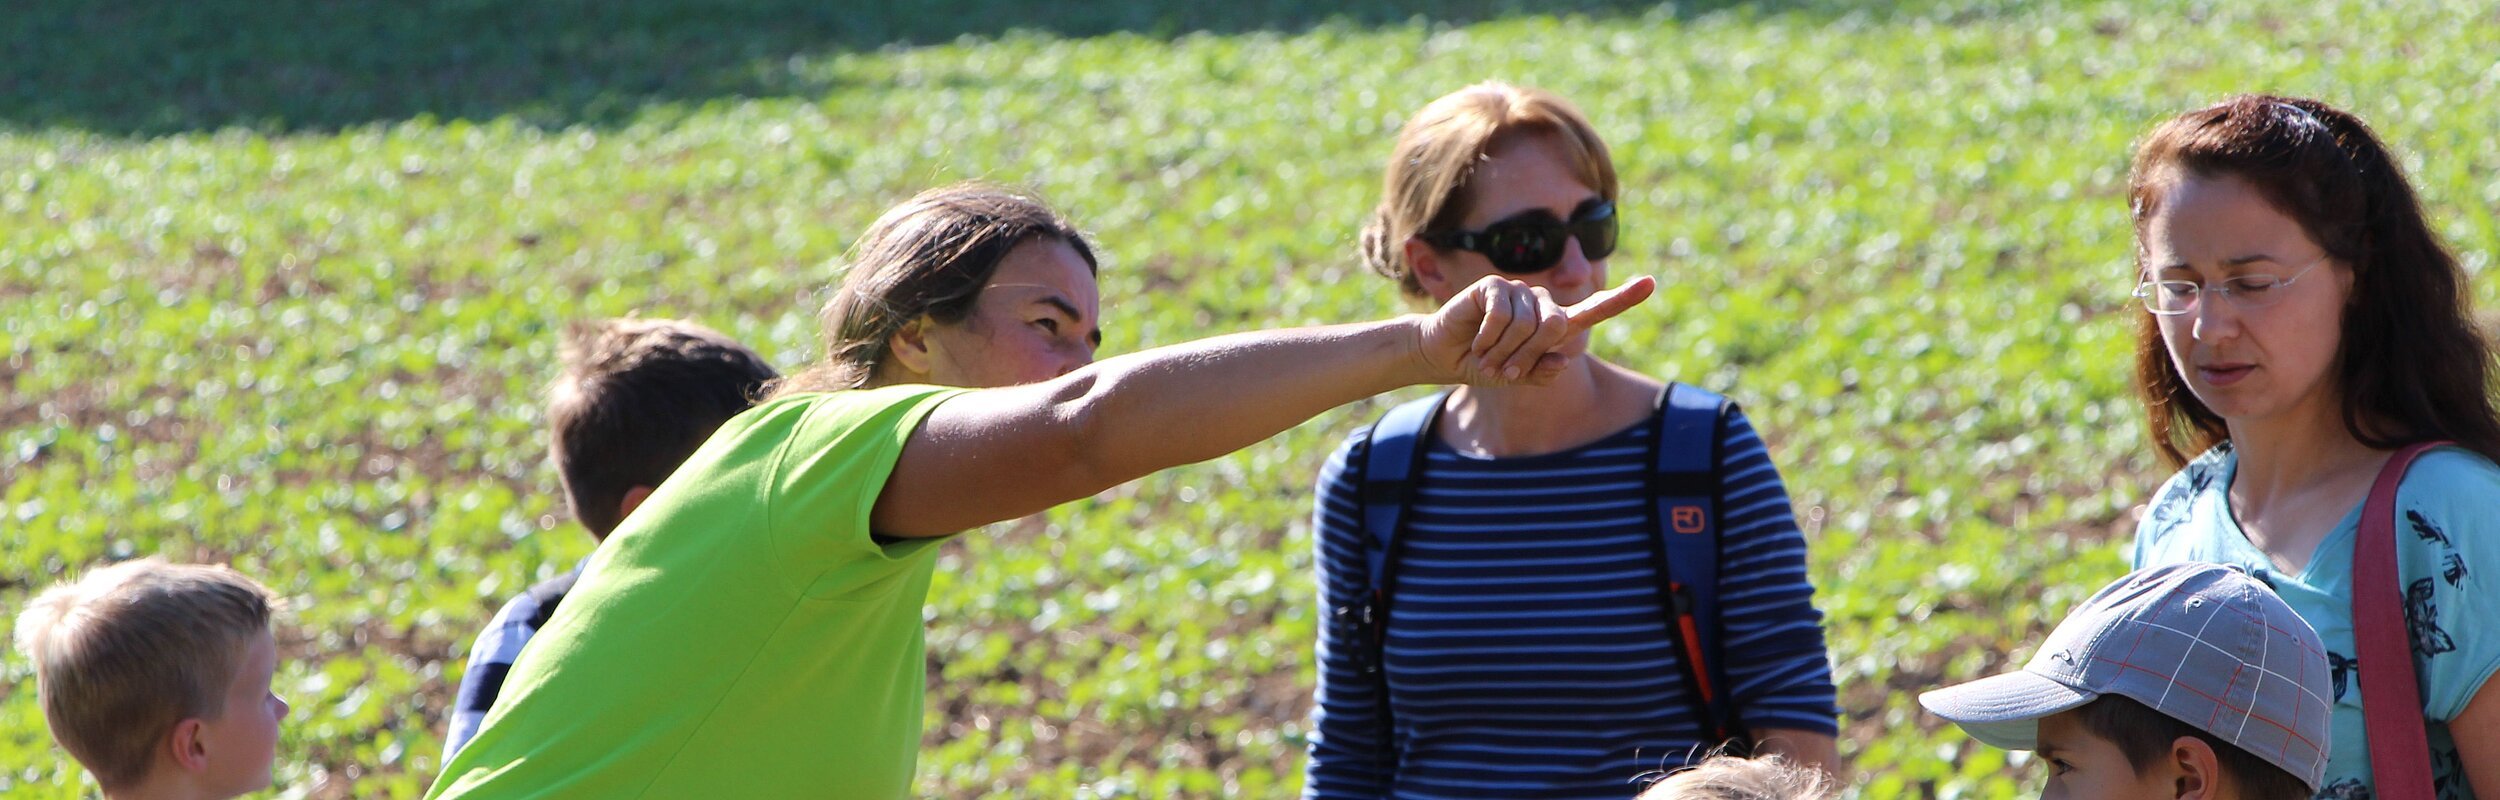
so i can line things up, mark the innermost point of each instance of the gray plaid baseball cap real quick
(2204, 643)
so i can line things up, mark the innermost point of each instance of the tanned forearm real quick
(1002, 453)
(1204, 399)
(1121, 418)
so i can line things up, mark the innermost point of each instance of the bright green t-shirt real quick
(740, 635)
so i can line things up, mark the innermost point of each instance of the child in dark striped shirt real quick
(637, 396)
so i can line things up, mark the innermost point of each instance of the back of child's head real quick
(1732, 778)
(128, 651)
(636, 398)
(2144, 736)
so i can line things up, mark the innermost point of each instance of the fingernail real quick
(1510, 374)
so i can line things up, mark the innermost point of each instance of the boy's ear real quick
(910, 347)
(189, 748)
(632, 500)
(2196, 769)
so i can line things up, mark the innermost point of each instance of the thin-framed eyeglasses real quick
(2173, 298)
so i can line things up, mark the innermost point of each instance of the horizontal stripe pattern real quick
(1528, 651)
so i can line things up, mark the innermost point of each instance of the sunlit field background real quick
(280, 281)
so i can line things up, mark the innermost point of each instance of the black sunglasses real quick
(1532, 241)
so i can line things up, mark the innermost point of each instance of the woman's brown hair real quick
(928, 257)
(2412, 366)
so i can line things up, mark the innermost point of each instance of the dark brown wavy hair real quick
(2412, 365)
(928, 257)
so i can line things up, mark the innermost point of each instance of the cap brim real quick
(2005, 710)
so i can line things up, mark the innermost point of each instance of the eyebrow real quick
(2236, 261)
(1576, 210)
(1065, 307)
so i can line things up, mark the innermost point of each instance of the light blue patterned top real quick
(2448, 557)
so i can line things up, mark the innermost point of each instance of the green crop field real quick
(280, 281)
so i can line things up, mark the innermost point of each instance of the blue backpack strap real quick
(1684, 490)
(1392, 457)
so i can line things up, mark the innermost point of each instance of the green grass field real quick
(279, 283)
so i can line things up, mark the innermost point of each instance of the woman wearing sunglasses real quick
(2303, 323)
(1518, 611)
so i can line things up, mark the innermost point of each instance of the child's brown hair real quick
(637, 397)
(2143, 735)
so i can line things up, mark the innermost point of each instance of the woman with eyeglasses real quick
(2304, 322)
(1505, 618)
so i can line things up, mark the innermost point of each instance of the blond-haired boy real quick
(156, 677)
(1732, 778)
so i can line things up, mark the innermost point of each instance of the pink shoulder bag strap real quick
(2400, 752)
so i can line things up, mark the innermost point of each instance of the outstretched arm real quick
(1003, 453)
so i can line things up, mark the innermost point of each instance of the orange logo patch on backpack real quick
(1689, 519)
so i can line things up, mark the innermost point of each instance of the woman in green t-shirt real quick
(755, 628)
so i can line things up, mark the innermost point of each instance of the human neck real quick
(165, 782)
(2293, 453)
(892, 375)
(1515, 421)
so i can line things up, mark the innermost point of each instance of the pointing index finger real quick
(1605, 305)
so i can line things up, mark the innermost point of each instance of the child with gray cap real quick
(2181, 682)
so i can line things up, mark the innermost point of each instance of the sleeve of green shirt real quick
(825, 480)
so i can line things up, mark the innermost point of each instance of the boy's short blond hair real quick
(126, 652)
(1732, 778)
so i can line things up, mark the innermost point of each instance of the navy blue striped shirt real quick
(1527, 650)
